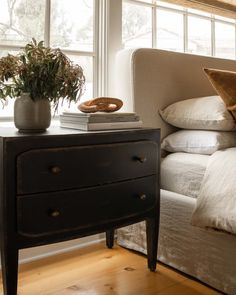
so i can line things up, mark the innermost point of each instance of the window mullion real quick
(235, 39)
(154, 27)
(114, 41)
(213, 36)
(185, 28)
(101, 47)
(47, 22)
(96, 47)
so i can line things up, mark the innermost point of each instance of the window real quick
(68, 24)
(90, 32)
(175, 28)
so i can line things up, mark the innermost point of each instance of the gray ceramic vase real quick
(31, 116)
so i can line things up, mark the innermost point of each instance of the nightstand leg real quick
(9, 261)
(152, 228)
(110, 238)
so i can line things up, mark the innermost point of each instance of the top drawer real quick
(42, 170)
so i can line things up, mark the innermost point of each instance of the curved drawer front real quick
(74, 167)
(44, 214)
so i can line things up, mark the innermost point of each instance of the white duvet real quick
(183, 173)
(216, 204)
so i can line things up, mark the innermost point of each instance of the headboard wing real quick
(151, 79)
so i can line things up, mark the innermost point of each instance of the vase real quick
(31, 116)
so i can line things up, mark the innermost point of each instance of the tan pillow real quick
(224, 83)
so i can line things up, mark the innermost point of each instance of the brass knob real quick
(143, 197)
(55, 169)
(54, 213)
(141, 159)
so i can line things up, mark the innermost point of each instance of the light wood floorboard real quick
(95, 270)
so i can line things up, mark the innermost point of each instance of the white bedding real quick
(216, 204)
(207, 255)
(183, 173)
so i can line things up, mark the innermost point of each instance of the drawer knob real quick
(141, 159)
(54, 213)
(55, 169)
(143, 197)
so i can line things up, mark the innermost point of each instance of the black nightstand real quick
(65, 184)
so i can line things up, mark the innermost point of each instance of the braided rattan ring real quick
(101, 104)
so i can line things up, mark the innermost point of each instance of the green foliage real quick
(43, 72)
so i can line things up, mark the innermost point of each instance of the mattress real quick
(183, 173)
(207, 255)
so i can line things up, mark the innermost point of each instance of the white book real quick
(99, 117)
(103, 126)
(101, 114)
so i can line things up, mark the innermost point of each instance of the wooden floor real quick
(95, 270)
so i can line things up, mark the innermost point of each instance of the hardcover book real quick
(98, 117)
(87, 126)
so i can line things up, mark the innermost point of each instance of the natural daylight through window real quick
(172, 27)
(67, 24)
(90, 32)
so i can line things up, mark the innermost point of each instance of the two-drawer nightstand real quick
(66, 184)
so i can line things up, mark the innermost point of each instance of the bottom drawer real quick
(42, 214)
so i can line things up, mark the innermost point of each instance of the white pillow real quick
(198, 141)
(205, 113)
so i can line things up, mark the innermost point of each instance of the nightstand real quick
(65, 184)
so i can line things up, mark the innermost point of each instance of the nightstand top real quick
(12, 132)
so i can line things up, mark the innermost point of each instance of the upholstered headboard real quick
(151, 79)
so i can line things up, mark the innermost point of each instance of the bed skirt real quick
(207, 255)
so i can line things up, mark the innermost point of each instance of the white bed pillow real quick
(198, 141)
(205, 113)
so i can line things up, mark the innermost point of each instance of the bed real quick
(150, 80)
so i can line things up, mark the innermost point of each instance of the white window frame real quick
(108, 39)
(95, 53)
(185, 12)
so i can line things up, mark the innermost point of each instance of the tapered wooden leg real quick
(9, 260)
(110, 238)
(152, 229)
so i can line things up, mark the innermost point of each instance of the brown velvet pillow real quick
(224, 83)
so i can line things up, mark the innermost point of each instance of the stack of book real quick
(99, 121)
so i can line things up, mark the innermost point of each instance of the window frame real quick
(186, 13)
(94, 54)
(108, 39)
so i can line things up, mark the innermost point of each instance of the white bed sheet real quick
(183, 173)
(207, 255)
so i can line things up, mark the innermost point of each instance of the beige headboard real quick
(151, 79)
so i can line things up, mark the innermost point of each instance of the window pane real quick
(136, 26)
(224, 40)
(199, 35)
(20, 21)
(170, 30)
(86, 62)
(72, 24)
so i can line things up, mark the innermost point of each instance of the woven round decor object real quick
(101, 104)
